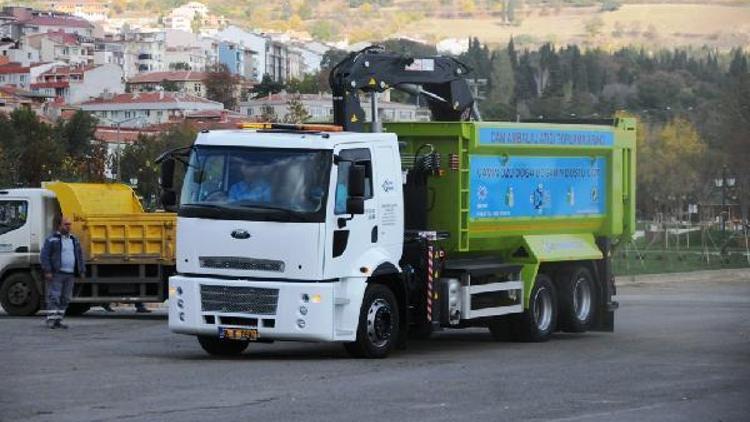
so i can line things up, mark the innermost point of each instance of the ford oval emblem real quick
(240, 234)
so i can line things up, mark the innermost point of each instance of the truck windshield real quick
(256, 184)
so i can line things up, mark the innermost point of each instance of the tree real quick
(297, 112)
(611, 5)
(499, 102)
(179, 66)
(594, 27)
(738, 65)
(266, 87)
(222, 86)
(33, 156)
(197, 23)
(85, 158)
(477, 56)
(77, 133)
(324, 30)
(137, 160)
(669, 160)
(169, 86)
(268, 114)
(309, 84)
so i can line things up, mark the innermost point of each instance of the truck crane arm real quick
(441, 80)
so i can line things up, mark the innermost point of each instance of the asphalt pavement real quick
(680, 352)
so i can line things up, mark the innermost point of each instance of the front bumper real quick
(303, 311)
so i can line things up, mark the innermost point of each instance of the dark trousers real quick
(59, 292)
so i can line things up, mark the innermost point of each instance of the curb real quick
(734, 274)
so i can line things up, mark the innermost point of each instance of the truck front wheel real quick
(377, 331)
(538, 322)
(577, 298)
(220, 347)
(19, 295)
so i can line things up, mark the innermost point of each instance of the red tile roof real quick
(112, 135)
(63, 37)
(150, 97)
(62, 21)
(68, 70)
(54, 84)
(13, 68)
(157, 77)
(215, 114)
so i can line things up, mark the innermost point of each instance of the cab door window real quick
(13, 215)
(359, 156)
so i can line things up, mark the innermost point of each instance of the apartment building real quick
(147, 108)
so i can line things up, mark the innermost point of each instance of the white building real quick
(76, 84)
(62, 46)
(143, 51)
(19, 52)
(184, 81)
(109, 53)
(183, 18)
(27, 21)
(320, 107)
(258, 43)
(146, 109)
(312, 54)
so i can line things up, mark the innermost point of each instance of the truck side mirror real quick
(167, 174)
(168, 196)
(355, 205)
(356, 181)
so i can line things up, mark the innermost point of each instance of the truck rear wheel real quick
(377, 331)
(220, 347)
(538, 322)
(19, 295)
(577, 298)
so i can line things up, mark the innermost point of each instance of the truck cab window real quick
(257, 184)
(359, 156)
(12, 215)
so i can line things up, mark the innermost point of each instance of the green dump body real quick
(531, 192)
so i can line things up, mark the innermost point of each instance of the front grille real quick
(237, 263)
(249, 300)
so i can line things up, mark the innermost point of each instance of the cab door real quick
(350, 236)
(388, 193)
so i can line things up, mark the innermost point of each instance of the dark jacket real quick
(51, 256)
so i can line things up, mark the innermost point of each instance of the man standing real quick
(62, 261)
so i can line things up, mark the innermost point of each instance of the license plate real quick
(244, 334)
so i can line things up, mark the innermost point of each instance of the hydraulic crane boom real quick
(441, 80)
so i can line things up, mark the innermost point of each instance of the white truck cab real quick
(269, 244)
(26, 218)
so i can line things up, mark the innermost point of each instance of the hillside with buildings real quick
(601, 23)
(134, 77)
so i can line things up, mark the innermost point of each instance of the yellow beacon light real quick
(303, 127)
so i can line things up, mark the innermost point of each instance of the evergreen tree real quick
(738, 65)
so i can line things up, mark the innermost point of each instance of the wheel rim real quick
(582, 299)
(543, 309)
(18, 294)
(379, 323)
